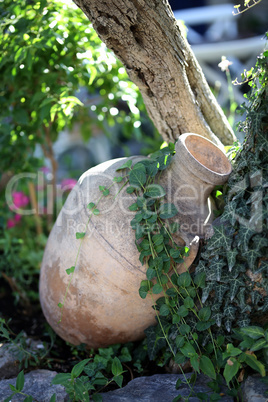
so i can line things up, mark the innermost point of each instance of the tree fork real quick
(148, 40)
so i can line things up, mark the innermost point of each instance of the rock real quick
(253, 389)
(159, 388)
(9, 364)
(38, 385)
(9, 357)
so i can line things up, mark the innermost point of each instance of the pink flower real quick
(68, 184)
(13, 222)
(20, 199)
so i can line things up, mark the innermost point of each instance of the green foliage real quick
(49, 52)
(24, 351)
(234, 260)
(99, 371)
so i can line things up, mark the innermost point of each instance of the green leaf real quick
(194, 360)
(118, 179)
(167, 211)
(188, 302)
(78, 368)
(230, 370)
(253, 332)
(200, 280)
(150, 273)
(80, 235)
(117, 368)
(184, 280)
(91, 205)
(157, 289)
(62, 379)
(231, 258)
(126, 165)
(137, 176)
(70, 270)
(96, 397)
(255, 364)
(157, 239)
(164, 310)
(143, 290)
(175, 318)
(53, 398)
(185, 329)
(207, 367)
(260, 344)
(180, 341)
(187, 349)
(133, 207)
(204, 314)
(130, 189)
(96, 211)
(155, 191)
(119, 380)
(20, 381)
(179, 358)
(182, 311)
(219, 239)
(203, 326)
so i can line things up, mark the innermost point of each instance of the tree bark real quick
(148, 40)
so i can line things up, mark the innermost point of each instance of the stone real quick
(253, 389)
(159, 388)
(9, 364)
(9, 360)
(38, 385)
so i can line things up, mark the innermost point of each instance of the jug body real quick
(103, 305)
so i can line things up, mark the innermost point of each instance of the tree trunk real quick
(145, 36)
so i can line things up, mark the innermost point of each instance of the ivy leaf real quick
(185, 329)
(137, 176)
(91, 205)
(251, 257)
(243, 236)
(229, 312)
(219, 239)
(157, 239)
(206, 291)
(155, 191)
(154, 342)
(235, 284)
(126, 165)
(231, 258)
(133, 207)
(167, 211)
(96, 211)
(220, 290)
(216, 266)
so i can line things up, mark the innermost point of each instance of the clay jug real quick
(103, 305)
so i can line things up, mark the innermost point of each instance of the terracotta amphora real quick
(103, 305)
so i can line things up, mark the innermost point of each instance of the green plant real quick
(23, 348)
(101, 370)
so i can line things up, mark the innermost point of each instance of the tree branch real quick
(145, 36)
